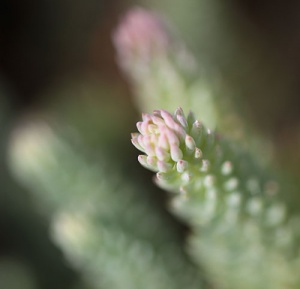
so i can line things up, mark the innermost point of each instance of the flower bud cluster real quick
(141, 36)
(166, 140)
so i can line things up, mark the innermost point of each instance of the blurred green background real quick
(58, 68)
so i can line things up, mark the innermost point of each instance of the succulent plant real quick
(232, 204)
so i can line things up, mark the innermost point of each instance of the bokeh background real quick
(58, 72)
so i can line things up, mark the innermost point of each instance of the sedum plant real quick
(244, 232)
(106, 225)
(158, 65)
(241, 230)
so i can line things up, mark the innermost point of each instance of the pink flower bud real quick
(163, 137)
(181, 166)
(140, 36)
(190, 143)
